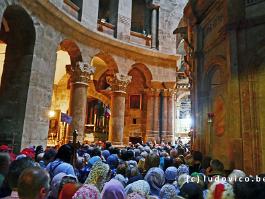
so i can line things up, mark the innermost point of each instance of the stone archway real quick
(214, 104)
(18, 33)
(136, 102)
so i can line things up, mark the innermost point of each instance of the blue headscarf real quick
(156, 179)
(105, 154)
(113, 161)
(171, 174)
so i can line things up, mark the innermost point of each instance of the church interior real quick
(131, 71)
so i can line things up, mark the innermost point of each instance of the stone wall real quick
(49, 23)
(226, 42)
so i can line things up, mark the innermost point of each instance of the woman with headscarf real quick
(105, 154)
(168, 191)
(156, 179)
(87, 191)
(68, 190)
(55, 185)
(121, 179)
(140, 186)
(98, 175)
(190, 190)
(62, 162)
(135, 195)
(221, 190)
(183, 169)
(113, 190)
(113, 162)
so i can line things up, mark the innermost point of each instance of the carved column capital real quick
(81, 73)
(166, 93)
(118, 82)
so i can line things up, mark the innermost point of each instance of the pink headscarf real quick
(87, 191)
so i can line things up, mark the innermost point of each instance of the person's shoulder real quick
(65, 164)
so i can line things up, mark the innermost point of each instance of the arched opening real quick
(105, 65)
(216, 113)
(98, 98)
(136, 103)
(68, 53)
(18, 33)
(183, 116)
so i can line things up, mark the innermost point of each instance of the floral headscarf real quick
(87, 191)
(135, 195)
(156, 179)
(221, 190)
(235, 175)
(182, 179)
(98, 175)
(113, 190)
(168, 191)
(183, 169)
(140, 186)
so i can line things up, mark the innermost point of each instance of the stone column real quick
(149, 115)
(165, 115)
(154, 28)
(90, 14)
(170, 117)
(123, 30)
(156, 114)
(79, 77)
(119, 85)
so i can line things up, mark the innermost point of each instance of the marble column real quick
(165, 115)
(170, 117)
(156, 114)
(119, 85)
(149, 115)
(79, 78)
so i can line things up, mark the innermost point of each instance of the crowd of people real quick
(138, 171)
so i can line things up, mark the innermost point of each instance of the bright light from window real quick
(2, 58)
(187, 122)
(63, 59)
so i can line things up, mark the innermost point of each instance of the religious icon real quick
(135, 101)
